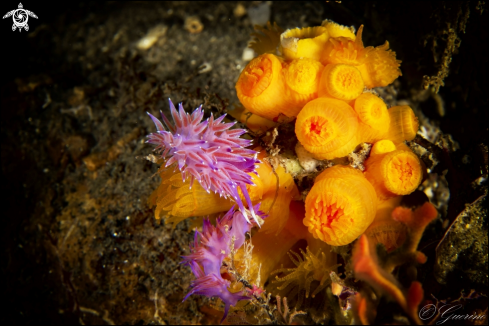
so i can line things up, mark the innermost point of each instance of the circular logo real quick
(20, 17)
(427, 312)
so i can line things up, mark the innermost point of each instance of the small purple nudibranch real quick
(207, 151)
(210, 248)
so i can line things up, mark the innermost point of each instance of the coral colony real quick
(320, 81)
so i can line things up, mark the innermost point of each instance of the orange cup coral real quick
(378, 66)
(341, 81)
(176, 201)
(261, 87)
(381, 67)
(347, 50)
(307, 42)
(302, 81)
(327, 128)
(340, 206)
(404, 124)
(395, 173)
(374, 116)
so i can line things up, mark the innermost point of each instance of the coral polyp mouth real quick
(403, 173)
(329, 210)
(319, 130)
(340, 206)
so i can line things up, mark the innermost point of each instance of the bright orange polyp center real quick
(318, 131)
(256, 77)
(328, 213)
(376, 112)
(403, 173)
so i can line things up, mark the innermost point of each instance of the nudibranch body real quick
(207, 151)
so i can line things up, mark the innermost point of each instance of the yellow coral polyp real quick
(347, 50)
(341, 81)
(374, 116)
(327, 128)
(382, 146)
(380, 67)
(395, 173)
(384, 229)
(404, 124)
(302, 81)
(307, 42)
(337, 30)
(252, 121)
(340, 206)
(311, 274)
(261, 88)
(175, 201)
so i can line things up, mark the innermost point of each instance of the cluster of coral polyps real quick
(323, 78)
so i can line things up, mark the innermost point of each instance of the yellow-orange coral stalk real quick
(276, 200)
(382, 147)
(269, 249)
(395, 173)
(302, 81)
(175, 201)
(327, 128)
(340, 205)
(252, 121)
(341, 81)
(261, 87)
(374, 117)
(307, 42)
(404, 124)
